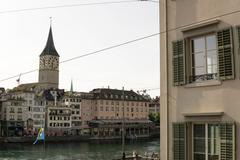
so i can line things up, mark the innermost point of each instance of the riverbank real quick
(79, 138)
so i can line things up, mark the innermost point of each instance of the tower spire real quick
(50, 47)
(71, 88)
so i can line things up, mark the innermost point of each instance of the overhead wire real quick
(65, 6)
(88, 54)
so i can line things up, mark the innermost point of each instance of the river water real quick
(75, 150)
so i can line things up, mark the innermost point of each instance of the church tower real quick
(49, 64)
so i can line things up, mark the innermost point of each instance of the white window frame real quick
(205, 51)
(206, 139)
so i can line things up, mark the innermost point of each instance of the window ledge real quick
(200, 25)
(204, 84)
(203, 114)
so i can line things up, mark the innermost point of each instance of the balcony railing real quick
(203, 77)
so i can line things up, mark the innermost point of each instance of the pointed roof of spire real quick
(50, 48)
(71, 88)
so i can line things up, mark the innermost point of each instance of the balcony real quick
(203, 77)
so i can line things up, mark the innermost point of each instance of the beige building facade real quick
(109, 104)
(200, 72)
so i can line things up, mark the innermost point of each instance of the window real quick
(204, 58)
(19, 110)
(206, 141)
(11, 110)
(19, 117)
(11, 117)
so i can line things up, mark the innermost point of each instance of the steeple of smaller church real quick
(50, 48)
(71, 87)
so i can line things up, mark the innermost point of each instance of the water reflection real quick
(74, 150)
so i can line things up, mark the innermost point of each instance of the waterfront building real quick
(35, 109)
(82, 110)
(109, 107)
(87, 110)
(2, 92)
(73, 102)
(154, 105)
(58, 115)
(109, 104)
(14, 116)
(200, 87)
(37, 113)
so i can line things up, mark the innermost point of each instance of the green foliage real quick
(155, 117)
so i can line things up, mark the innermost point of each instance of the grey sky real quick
(80, 30)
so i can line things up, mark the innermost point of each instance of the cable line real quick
(88, 54)
(108, 48)
(65, 6)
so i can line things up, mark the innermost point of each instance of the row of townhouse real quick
(200, 72)
(24, 112)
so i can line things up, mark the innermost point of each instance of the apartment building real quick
(200, 72)
(58, 115)
(14, 116)
(87, 110)
(109, 104)
(35, 109)
(73, 102)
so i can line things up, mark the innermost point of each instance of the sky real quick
(80, 30)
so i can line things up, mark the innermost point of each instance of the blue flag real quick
(40, 136)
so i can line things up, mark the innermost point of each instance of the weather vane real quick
(50, 21)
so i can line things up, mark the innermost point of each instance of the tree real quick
(154, 117)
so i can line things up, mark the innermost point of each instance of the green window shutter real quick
(227, 141)
(225, 54)
(179, 141)
(178, 61)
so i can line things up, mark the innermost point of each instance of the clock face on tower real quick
(55, 63)
(49, 62)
